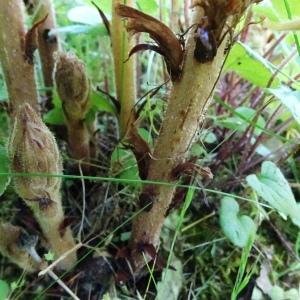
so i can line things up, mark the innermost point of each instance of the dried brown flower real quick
(167, 41)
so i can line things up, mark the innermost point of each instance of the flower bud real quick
(33, 149)
(73, 86)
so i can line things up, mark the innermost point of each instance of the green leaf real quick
(84, 14)
(55, 116)
(145, 134)
(4, 168)
(102, 103)
(243, 116)
(4, 290)
(272, 186)
(289, 98)
(124, 165)
(250, 65)
(105, 5)
(280, 8)
(172, 281)
(237, 228)
(148, 6)
(49, 256)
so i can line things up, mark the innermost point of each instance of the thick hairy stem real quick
(51, 220)
(12, 246)
(187, 102)
(18, 71)
(79, 140)
(33, 149)
(47, 45)
(125, 78)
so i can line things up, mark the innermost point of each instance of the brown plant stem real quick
(17, 70)
(47, 45)
(187, 103)
(125, 79)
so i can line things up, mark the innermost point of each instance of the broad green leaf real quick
(172, 280)
(4, 290)
(145, 134)
(4, 168)
(241, 120)
(84, 14)
(5, 125)
(280, 8)
(272, 186)
(102, 103)
(3, 94)
(266, 9)
(54, 116)
(237, 228)
(105, 5)
(289, 98)
(250, 65)
(148, 6)
(275, 9)
(124, 165)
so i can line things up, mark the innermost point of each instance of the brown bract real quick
(31, 40)
(159, 32)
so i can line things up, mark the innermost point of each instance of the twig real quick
(62, 284)
(62, 257)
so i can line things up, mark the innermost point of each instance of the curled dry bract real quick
(165, 38)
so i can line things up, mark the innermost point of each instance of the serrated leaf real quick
(4, 168)
(289, 98)
(250, 65)
(272, 186)
(237, 228)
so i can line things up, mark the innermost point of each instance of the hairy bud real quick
(33, 149)
(73, 86)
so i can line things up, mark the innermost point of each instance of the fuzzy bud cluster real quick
(33, 149)
(73, 86)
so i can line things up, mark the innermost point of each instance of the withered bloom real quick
(169, 45)
(33, 149)
(73, 85)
